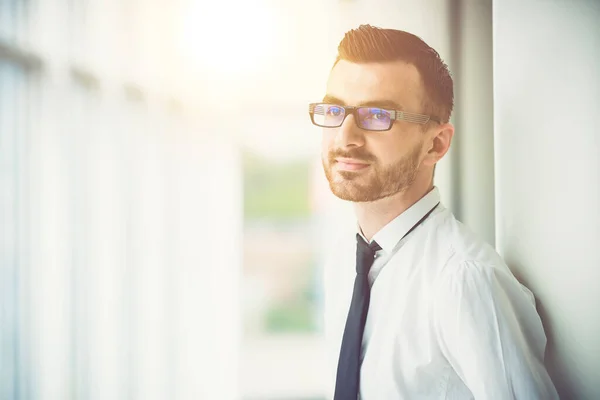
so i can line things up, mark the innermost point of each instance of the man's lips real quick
(349, 164)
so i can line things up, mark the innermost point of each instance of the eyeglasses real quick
(368, 118)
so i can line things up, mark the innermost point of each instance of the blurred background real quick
(164, 218)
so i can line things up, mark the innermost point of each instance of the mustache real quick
(358, 154)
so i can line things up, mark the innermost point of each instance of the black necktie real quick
(348, 372)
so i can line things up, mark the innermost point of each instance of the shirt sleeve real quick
(491, 334)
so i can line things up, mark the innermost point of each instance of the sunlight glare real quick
(229, 38)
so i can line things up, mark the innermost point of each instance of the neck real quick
(372, 216)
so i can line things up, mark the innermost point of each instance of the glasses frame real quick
(395, 115)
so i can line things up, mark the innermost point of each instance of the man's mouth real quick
(350, 164)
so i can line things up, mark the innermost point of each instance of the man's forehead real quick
(356, 84)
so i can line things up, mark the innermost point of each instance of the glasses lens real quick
(328, 115)
(374, 119)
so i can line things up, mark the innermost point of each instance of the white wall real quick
(546, 107)
(473, 143)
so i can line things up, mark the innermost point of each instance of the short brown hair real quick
(371, 44)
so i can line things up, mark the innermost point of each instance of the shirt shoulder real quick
(463, 244)
(465, 257)
(486, 322)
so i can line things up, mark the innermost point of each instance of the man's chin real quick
(353, 194)
(350, 186)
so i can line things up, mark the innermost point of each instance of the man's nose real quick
(349, 134)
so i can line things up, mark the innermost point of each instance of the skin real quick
(382, 173)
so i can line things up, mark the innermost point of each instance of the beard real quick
(377, 182)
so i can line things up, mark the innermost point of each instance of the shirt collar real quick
(390, 234)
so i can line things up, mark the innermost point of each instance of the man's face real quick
(365, 165)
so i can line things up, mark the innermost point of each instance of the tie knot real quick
(365, 254)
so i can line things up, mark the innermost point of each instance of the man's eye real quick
(334, 111)
(377, 115)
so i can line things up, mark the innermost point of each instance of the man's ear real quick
(439, 143)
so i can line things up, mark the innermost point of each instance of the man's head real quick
(390, 70)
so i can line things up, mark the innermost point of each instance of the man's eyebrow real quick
(383, 104)
(333, 100)
(373, 103)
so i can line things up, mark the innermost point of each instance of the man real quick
(417, 306)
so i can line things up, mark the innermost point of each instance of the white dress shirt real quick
(447, 318)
